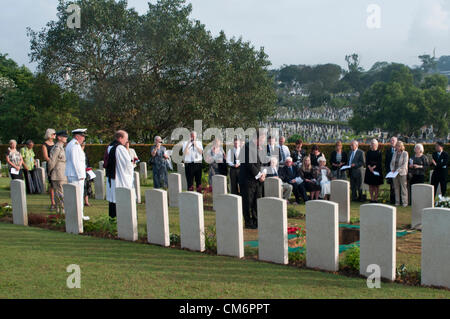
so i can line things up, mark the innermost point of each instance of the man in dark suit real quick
(290, 174)
(387, 164)
(356, 163)
(251, 179)
(440, 163)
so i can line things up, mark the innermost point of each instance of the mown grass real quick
(33, 263)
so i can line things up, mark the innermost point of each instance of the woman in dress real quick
(29, 164)
(88, 181)
(309, 174)
(217, 159)
(418, 164)
(47, 146)
(14, 160)
(324, 179)
(338, 159)
(315, 154)
(374, 175)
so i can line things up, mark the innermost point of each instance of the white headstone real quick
(38, 163)
(340, 194)
(181, 170)
(219, 187)
(99, 184)
(272, 230)
(143, 171)
(72, 209)
(272, 187)
(126, 214)
(435, 268)
(42, 177)
(229, 229)
(19, 202)
(378, 239)
(322, 235)
(100, 165)
(192, 230)
(157, 212)
(422, 196)
(174, 181)
(137, 187)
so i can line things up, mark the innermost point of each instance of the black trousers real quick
(234, 180)
(355, 185)
(299, 190)
(250, 193)
(112, 210)
(439, 177)
(193, 171)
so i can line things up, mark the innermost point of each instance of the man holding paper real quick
(251, 178)
(356, 164)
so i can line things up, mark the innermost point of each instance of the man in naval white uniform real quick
(119, 169)
(76, 163)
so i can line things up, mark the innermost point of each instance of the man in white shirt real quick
(119, 169)
(284, 151)
(76, 164)
(193, 156)
(234, 164)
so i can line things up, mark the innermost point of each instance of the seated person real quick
(290, 174)
(324, 179)
(272, 171)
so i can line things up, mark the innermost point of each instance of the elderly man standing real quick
(356, 163)
(159, 157)
(193, 155)
(76, 163)
(119, 169)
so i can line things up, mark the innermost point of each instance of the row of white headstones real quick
(377, 224)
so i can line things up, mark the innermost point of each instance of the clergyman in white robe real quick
(124, 173)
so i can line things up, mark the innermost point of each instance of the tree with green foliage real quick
(33, 104)
(151, 73)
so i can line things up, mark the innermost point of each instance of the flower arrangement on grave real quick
(443, 202)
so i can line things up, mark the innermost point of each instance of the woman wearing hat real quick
(47, 146)
(57, 167)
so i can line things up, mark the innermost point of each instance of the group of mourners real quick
(248, 164)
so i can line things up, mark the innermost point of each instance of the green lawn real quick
(33, 263)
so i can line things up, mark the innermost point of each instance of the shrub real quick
(352, 259)
(5, 210)
(103, 225)
(56, 220)
(297, 257)
(211, 239)
(294, 213)
(175, 239)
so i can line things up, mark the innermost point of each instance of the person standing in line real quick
(133, 154)
(234, 164)
(57, 167)
(373, 176)
(338, 159)
(29, 164)
(217, 159)
(159, 164)
(284, 151)
(119, 169)
(76, 164)
(356, 163)
(440, 163)
(418, 164)
(315, 154)
(14, 160)
(399, 164)
(50, 135)
(193, 155)
(251, 178)
(298, 154)
(388, 154)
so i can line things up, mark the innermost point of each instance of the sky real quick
(291, 31)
